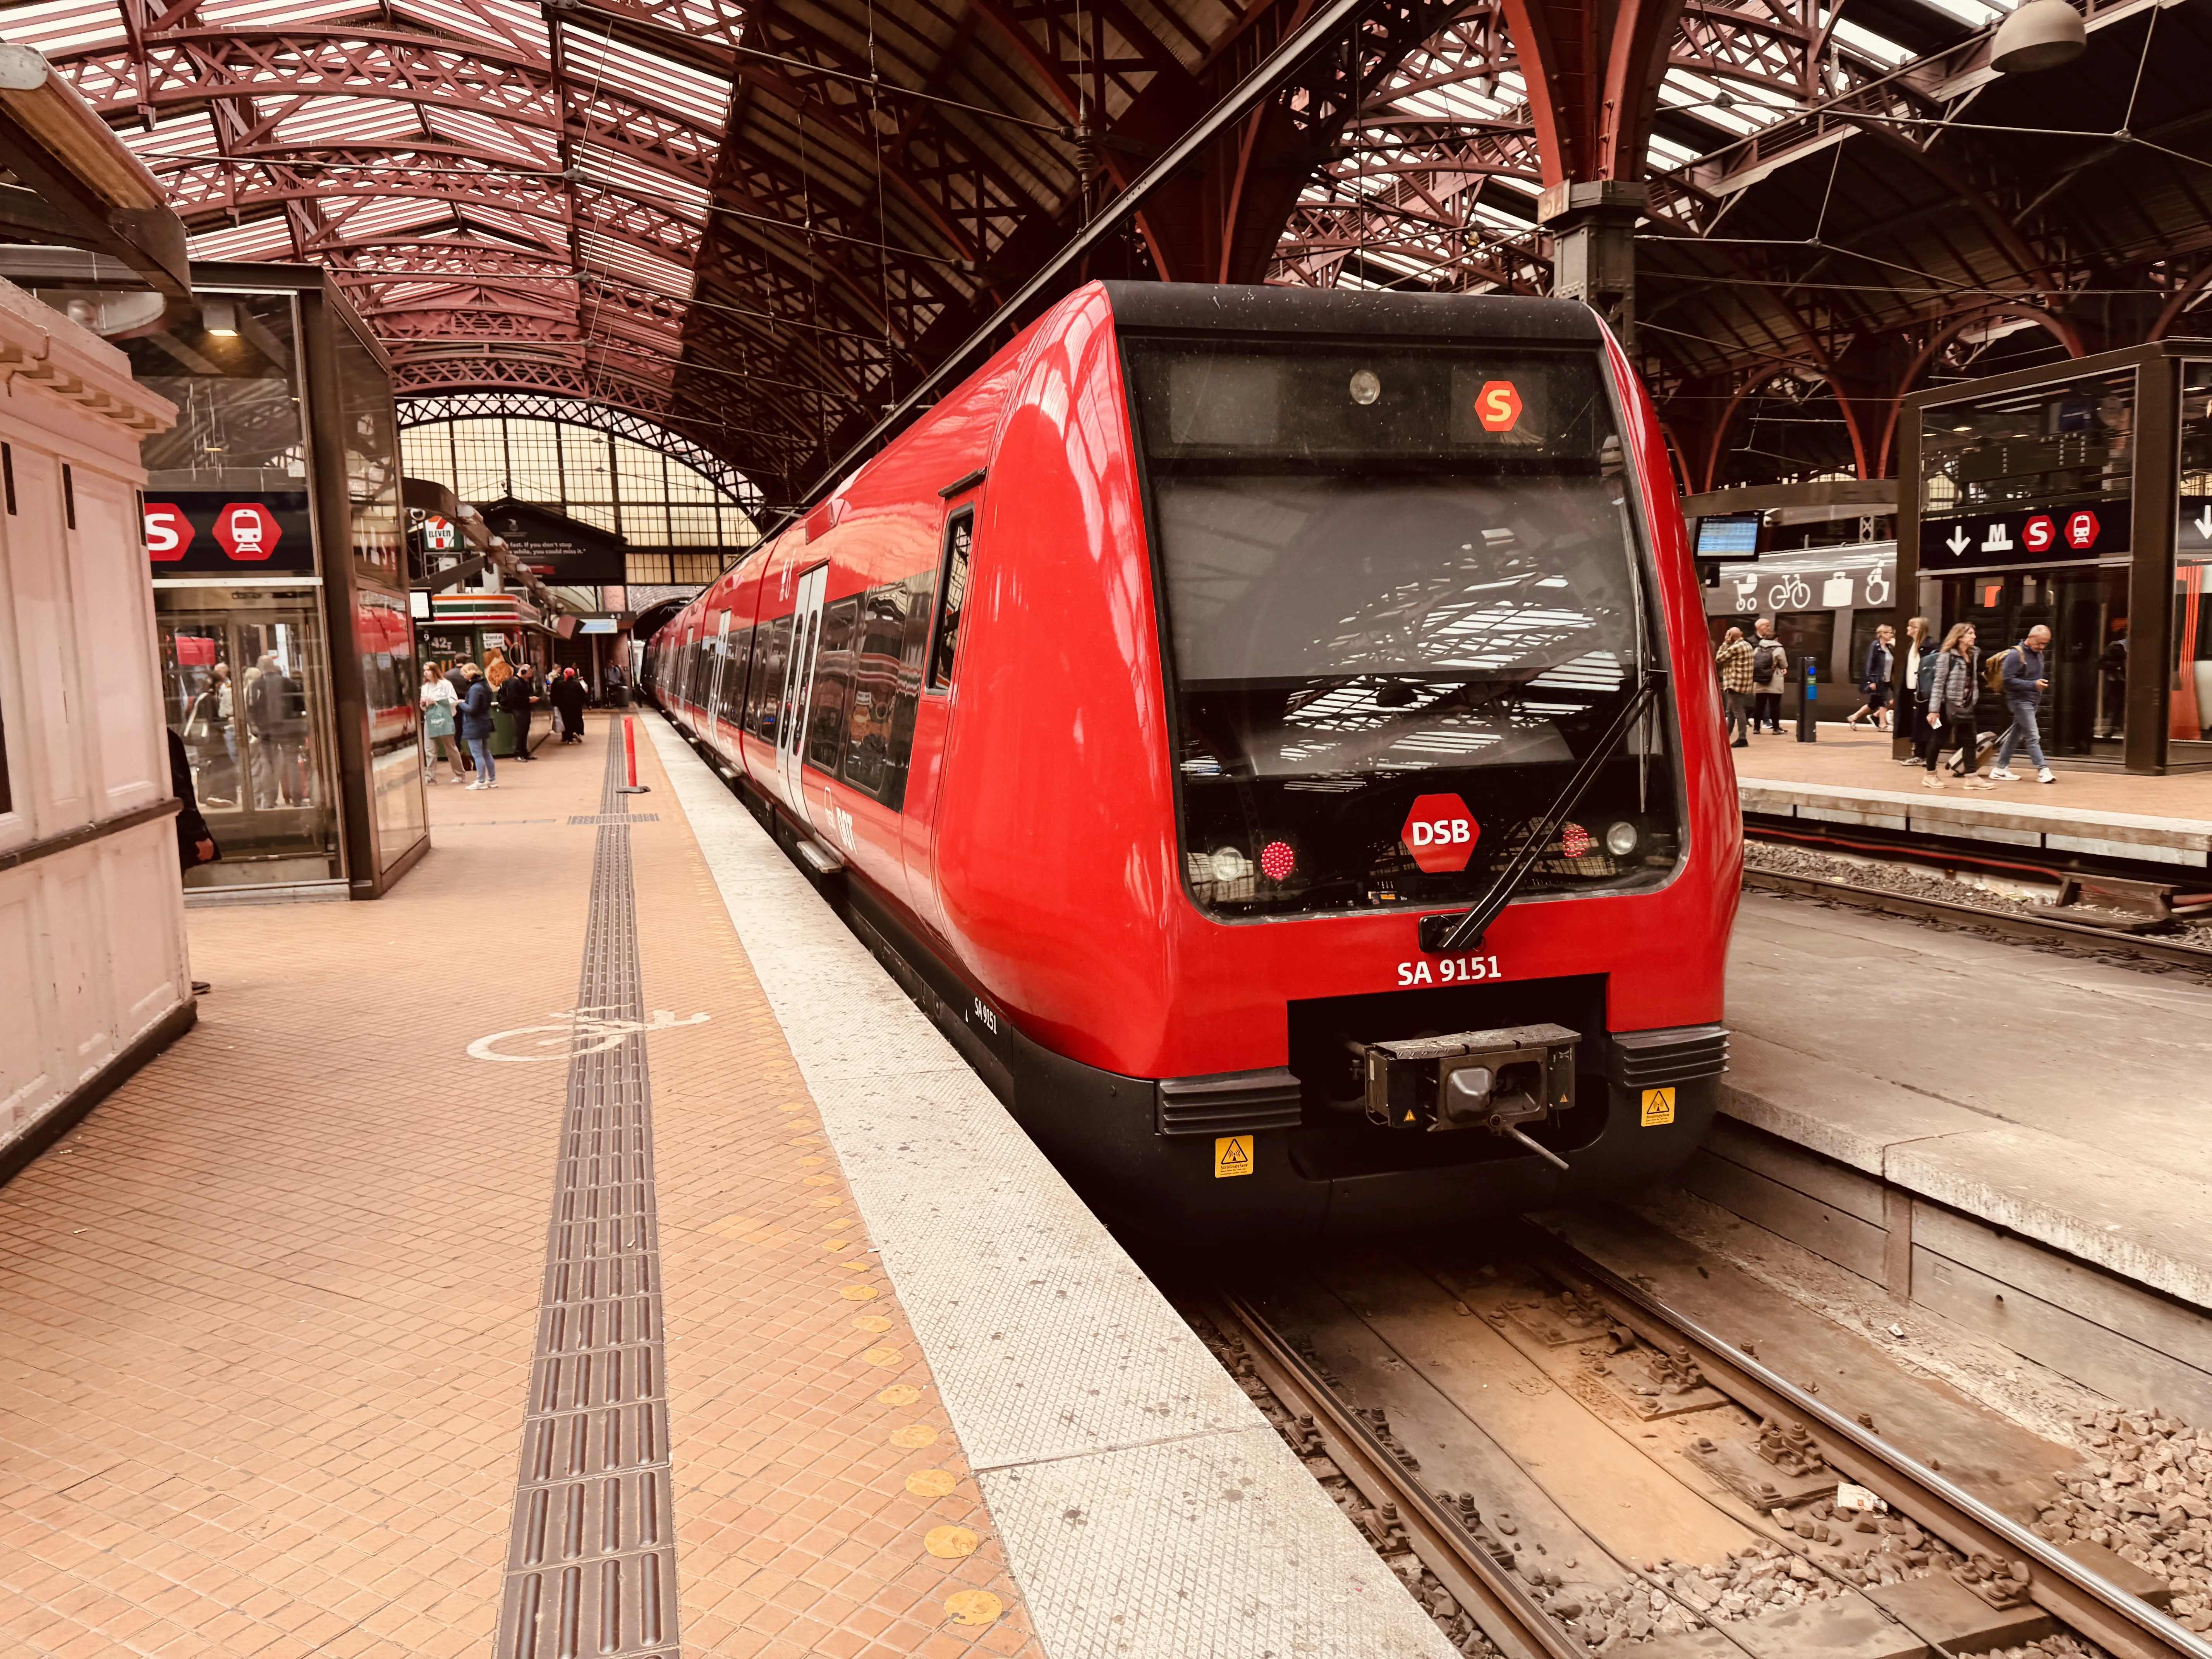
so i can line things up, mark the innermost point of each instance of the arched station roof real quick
(759, 225)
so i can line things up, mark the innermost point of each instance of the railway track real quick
(2077, 937)
(1473, 1580)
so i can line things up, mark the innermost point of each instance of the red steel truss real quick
(761, 225)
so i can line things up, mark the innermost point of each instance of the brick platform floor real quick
(1860, 759)
(266, 1316)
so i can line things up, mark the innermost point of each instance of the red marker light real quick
(1574, 841)
(1277, 860)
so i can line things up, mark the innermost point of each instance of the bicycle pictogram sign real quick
(577, 1031)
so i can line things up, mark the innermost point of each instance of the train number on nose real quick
(1448, 970)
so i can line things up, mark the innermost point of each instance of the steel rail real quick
(2045, 929)
(1493, 1596)
(2085, 1601)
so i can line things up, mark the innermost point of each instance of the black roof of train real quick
(1207, 307)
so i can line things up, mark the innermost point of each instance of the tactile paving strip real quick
(590, 1565)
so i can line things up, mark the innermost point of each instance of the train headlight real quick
(1365, 387)
(1230, 865)
(1620, 839)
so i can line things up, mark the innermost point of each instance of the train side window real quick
(767, 678)
(740, 645)
(833, 686)
(876, 650)
(959, 537)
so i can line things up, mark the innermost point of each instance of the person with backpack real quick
(2018, 673)
(477, 727)
(1769, 675)
(1953, 688)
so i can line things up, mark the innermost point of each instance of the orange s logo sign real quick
(1498, 405)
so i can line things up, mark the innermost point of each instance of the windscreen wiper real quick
(1443, 934)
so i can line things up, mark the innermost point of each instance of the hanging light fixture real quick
(2040, 35)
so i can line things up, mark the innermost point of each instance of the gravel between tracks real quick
(1916, 881)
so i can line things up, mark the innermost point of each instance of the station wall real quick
(92, 932)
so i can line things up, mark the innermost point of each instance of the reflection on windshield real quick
(1344, 625)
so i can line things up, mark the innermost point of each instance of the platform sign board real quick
(2027, 536)
(561, 550)
(195, 532)
(2195, 525)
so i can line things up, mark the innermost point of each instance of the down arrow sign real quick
(1958, 541)
(2205, 523)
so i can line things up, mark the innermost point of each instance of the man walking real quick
(1770, 673)
(2024, 685)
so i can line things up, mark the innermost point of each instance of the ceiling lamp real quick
(2042, 34)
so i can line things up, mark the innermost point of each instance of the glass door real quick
(245, 685)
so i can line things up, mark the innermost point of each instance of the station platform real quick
(540, 1261)
(1847, 780)
(2012, 1139)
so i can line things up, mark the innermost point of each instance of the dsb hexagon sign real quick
(1440, 833)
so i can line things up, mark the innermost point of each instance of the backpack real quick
(1993, 670)
(1762, 661)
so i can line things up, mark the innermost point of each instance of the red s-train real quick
(1270, 730)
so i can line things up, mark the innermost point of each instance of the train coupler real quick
(1496, 1080)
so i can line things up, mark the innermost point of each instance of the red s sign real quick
(2038, 533)
(168, 531)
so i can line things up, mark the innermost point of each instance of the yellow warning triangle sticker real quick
(1233, 1155)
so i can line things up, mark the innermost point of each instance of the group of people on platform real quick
(460, 699)
(1943, 685)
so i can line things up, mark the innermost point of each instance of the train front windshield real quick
(1394, 577)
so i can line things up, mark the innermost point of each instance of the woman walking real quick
(442, 742)
(1912, 723)
(1951, 697)
(1873, 677)
(476, 727)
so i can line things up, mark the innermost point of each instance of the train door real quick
(715, 687)
(798, 687)
(933, 717)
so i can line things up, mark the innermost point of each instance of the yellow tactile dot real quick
(856, 1266)
(810, 1159)
(836, 1243)
(857, 1292)
(806, 1141)
(932, 1483)
(791, 1106)
(827, 1203)
(885, 1357)
(820, 1180)
(951, 1542)
(973, 1607)
(900, 1393)
(913, 1437)
(872, 1322)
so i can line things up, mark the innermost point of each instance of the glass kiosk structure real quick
(2077, 495)
(274, 523)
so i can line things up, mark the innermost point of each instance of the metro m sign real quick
(1440, 833)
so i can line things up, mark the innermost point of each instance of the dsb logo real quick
(1440, 833)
